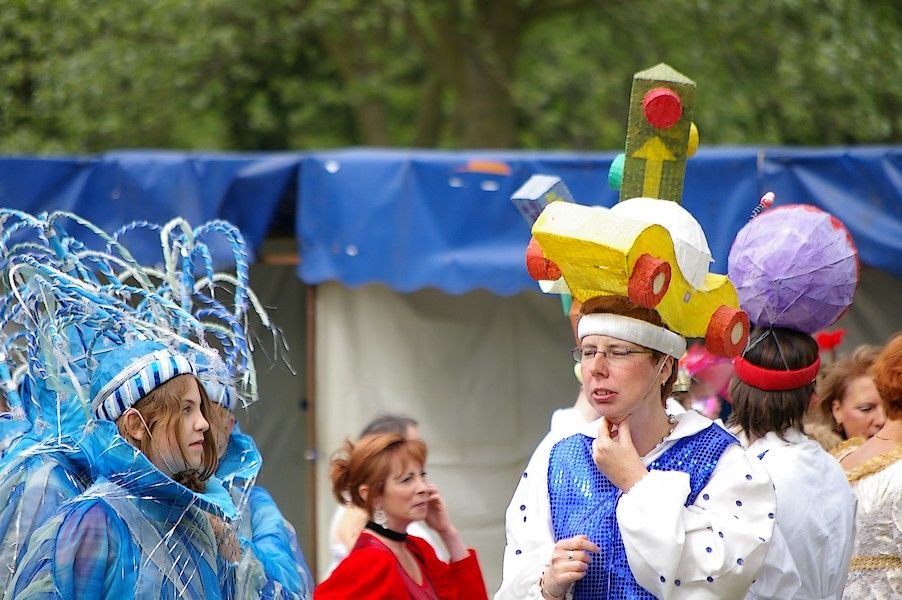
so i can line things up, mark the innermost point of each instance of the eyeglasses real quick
(612, 354)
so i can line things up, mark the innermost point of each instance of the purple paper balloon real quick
(794, 266)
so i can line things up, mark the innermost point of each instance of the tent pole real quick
(310, 392)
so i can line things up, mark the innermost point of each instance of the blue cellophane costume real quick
(13, 425)
(44, 466)
(271, 564)
(40, 477)
(135, 533)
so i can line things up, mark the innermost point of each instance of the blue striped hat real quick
(220, 393)
(213, 374)
(128, 373)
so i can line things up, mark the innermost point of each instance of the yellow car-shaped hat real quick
(651, 251)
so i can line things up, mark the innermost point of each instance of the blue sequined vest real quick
(584, 501)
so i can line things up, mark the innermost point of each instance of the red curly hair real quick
(887, 372)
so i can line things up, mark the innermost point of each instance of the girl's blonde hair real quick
(161, 410)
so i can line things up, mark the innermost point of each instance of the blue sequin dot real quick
(662, 579)
(739, 503)
(749, 477)
(518, 552)
(706, 496)
(677, 583)
(524, 519)
(524, 474)
(709, 549)
(720, 533)
(710, 579)
(739, 561)
(522, 507)
(770, 515)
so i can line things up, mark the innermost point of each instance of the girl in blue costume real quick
(137, 532)
(638, 504)
(39, 472)
(45, 463)
(271, 564)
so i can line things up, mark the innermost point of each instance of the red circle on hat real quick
(662, 107)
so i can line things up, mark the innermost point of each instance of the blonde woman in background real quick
(849, 404)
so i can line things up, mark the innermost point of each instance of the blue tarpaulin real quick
(415, 218)
(114, 189)
(412, 219)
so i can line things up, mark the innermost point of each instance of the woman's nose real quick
(598, 364)
(202, 424)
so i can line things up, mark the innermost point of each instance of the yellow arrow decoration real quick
(655, 153)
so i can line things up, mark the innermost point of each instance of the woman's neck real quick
(394, 528)
(891, 431)
(649, 430)
(888, 439)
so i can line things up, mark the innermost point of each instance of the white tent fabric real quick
(480, 373)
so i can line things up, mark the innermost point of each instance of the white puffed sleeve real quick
(530, 539)
(711, 549)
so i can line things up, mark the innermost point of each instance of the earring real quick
(379, 516)
(838, 428)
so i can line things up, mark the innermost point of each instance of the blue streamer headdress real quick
(219, 301)
(67, 304)
(95, 332)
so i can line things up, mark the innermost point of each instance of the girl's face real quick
(406, 495)
(181, 447)
(860, 411)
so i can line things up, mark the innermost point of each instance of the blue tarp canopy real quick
(115, 189)
(414, 218)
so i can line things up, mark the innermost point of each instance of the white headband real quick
(633, 330)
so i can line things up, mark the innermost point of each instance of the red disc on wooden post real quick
(662, 107)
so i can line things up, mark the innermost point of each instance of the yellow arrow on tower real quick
(655, 153)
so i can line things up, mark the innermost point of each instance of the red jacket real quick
(371, 572)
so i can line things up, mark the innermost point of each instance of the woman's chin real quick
(610, 414)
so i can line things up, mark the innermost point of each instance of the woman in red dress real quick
(383, 474)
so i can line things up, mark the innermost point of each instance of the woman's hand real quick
(439, 520)
(616, 456)
(437, 516)
(569, 563)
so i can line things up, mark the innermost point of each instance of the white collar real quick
(791, 437)
(687, 424)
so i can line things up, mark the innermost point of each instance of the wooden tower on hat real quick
(660, 136)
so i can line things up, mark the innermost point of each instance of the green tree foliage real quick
(92, 75)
